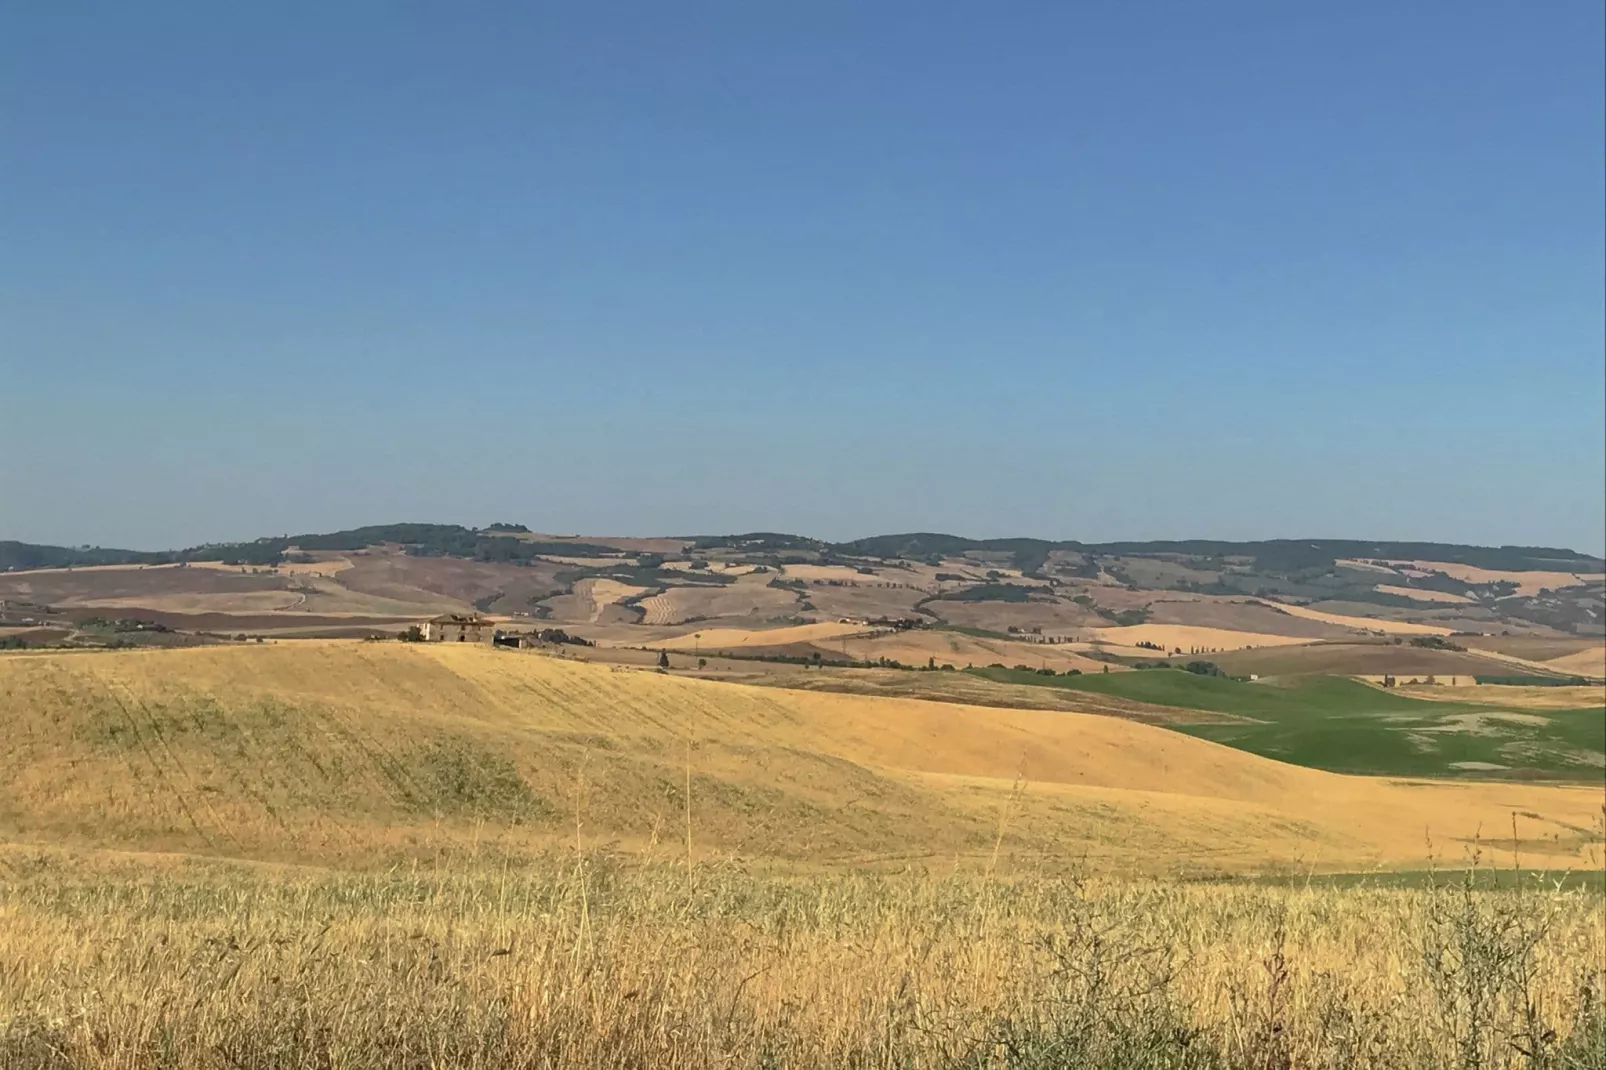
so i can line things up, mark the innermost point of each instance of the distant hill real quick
(510, 542)
(1054, 590)
(1280, 554)
(500, 542)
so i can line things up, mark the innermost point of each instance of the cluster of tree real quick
(758, 542)
(558, 635)
(1435, 642)
(1041, 671)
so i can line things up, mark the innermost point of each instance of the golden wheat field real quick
(363, 855)
(590, 960)
(365, 753)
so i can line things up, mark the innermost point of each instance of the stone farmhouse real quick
(453, 628)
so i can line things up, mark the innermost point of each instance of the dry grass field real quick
(364, 855)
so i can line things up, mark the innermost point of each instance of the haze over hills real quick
(1353, 607)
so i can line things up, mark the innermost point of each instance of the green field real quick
(1328, 722)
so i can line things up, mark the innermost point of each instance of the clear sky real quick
(1074, 270)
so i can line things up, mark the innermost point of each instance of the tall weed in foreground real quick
(608, 964)
(1481, 953)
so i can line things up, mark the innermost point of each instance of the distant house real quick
(452, 628)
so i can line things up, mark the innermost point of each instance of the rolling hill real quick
(373, 754)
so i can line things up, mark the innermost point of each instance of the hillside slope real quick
(372, 754)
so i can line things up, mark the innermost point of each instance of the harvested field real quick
(1053, 616)
(1527, 698)
(1118, 598)
(452, 584)
(866, 601)
(1418, 595)
(750, 596)
(958, 649)
(828, 574)
(366, 584)
(725, 568)
(1240, 616)
(590, 562)
(116, 585)
(1359, 658)
(595, 601)
(1174, 636)
(715, 639)
(324, 565)
(1370, 624)
(1591, 663)
(1530, 647)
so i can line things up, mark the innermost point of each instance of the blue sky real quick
(1096, 271)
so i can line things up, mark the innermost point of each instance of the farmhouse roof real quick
(457, 618)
